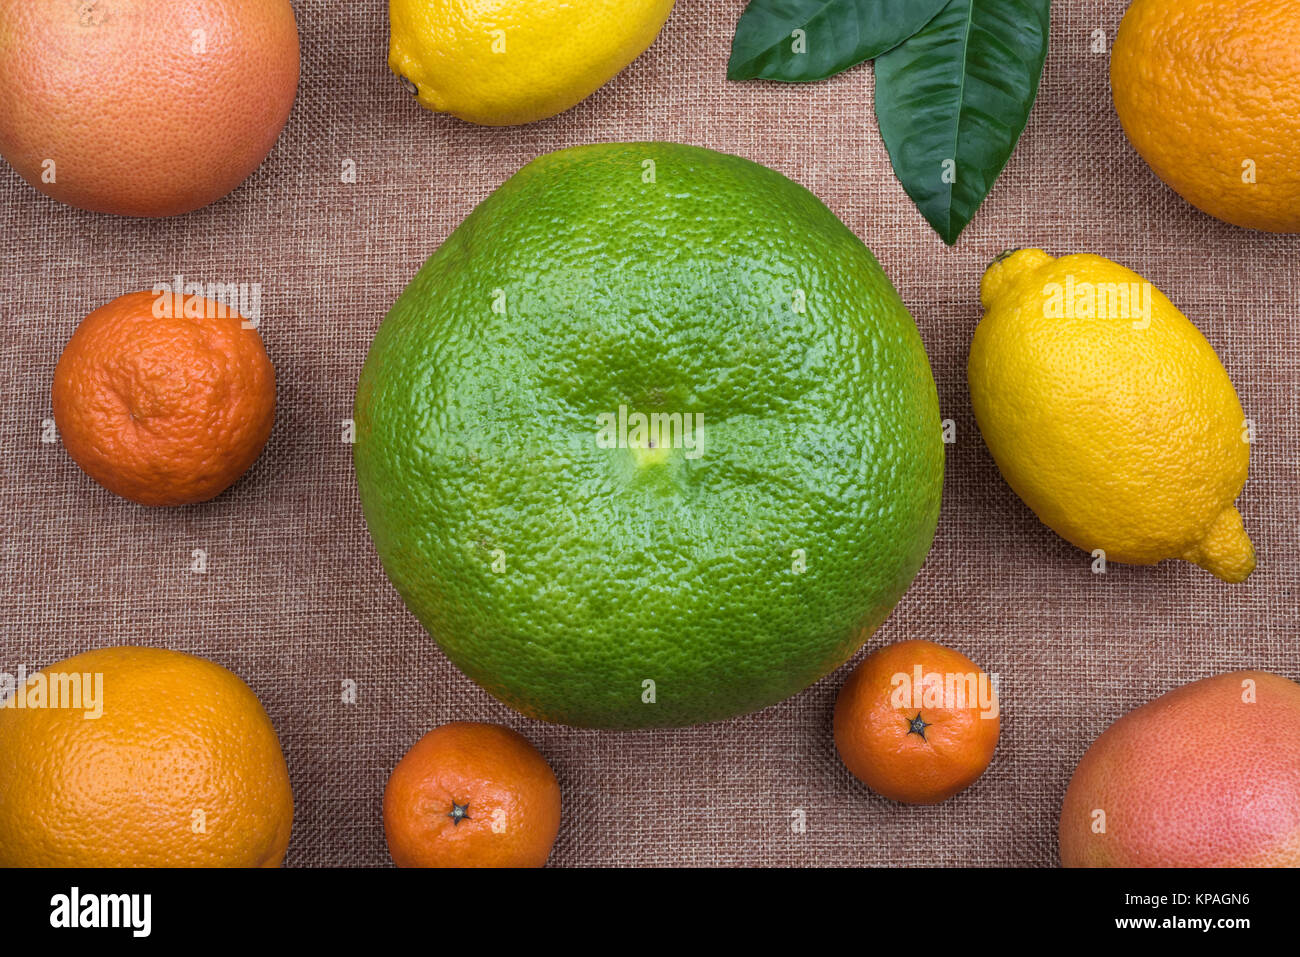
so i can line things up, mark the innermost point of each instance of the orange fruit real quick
(181, 768)
(143, 107)
(917, 722)
(1207, 775)
(164, 411)
(471, 795)
(1208, 92)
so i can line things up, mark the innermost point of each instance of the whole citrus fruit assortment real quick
(1208, 92)
(143, 107)
(180, 767)
(164, 405)
(917, 722)
(1109, 413)
(471, 795)
(587, 567)
(651, 440)
(1207, 775)
(504, 62)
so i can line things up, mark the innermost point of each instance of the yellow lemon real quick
(504, 62)
(1109, 413)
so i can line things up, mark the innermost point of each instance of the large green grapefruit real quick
(594, 569)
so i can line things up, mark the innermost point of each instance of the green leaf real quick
(836, 34)
(953, 100)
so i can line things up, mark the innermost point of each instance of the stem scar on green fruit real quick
(917, 726)
(459, 812)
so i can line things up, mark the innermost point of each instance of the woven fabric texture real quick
(294, 599)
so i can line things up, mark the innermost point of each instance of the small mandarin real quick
(918, 744)
(471, 795)
(166, 409)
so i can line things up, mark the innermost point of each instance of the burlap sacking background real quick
(294, 599)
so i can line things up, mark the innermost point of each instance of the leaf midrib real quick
(961, 107)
